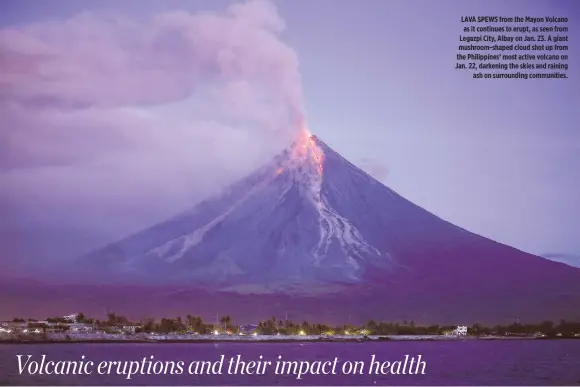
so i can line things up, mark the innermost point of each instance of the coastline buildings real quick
(131, 329)
(460, 330)
(62, 324)
(79, 325)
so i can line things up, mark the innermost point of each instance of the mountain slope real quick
(311, 224)
(278, 226)
(568, 259)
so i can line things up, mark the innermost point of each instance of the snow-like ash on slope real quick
(307, 162)
(176, 248)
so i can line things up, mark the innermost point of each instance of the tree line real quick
(274, 326)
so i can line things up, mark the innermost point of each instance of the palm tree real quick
(111, 318)
(226, 321)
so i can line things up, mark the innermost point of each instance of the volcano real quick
(306, 222)
(311, 229)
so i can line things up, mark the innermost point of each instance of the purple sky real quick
(116, 115)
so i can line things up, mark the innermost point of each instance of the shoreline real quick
(269, 340)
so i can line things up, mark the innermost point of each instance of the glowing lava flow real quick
(335, 231)
(306, 149)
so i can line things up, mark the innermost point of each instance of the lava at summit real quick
(305, 149)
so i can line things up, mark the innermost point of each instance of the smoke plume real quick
(127, 121)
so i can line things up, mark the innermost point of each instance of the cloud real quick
(110, 60)
(374, 168)
(126, 121)
(97, 63)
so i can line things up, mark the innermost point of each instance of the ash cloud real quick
(111, 124)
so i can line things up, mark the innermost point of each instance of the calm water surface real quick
(470, 362)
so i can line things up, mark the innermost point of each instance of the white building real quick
(71, 317)
(461, 330)
(130, 328)
(80, 327)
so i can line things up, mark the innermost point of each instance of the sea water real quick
(469, 362)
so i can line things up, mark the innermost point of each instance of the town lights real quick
(216, 333)
(302, 333)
